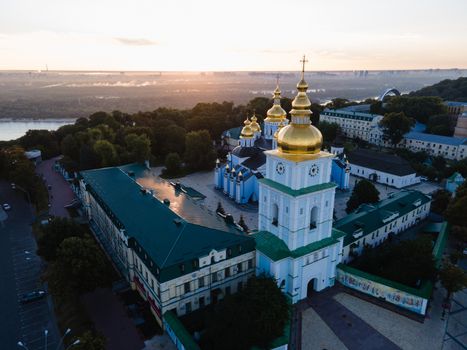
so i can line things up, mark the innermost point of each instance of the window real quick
(250, 264)
(214, 277)
(313, 218)
(182, 268)
(275, 214)
(227, 272)
(188, 307)
(201, 302)
(227, 290)
(201, 282)
(195, 264)
(240, 286)
(186, 287)
(239, 267)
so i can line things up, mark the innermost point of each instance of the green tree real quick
(253, 317)
(418, 108)
(260, 106)
(139, 147)
(455, 213)
(453, 279)
(90, 341)
(440, 201)
(329, 131)
(70, 147)
(440, 125)
(199, 150)
(395, 125)
(173, 164)
(363, 192)
(50, 236)
(339, 102)
(80, 267)
(106, 152)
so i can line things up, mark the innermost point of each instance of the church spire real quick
(276, 113)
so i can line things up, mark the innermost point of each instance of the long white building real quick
(176, 255)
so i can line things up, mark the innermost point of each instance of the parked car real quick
(6, 206)
(13, 186)
(33, 296)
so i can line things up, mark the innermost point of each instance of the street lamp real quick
(76, 342)
(63, 337)
(46, 332)
(22, 345)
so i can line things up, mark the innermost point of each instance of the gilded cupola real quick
(300, 137)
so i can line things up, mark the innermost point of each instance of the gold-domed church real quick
(247, 156)
(284, 169)
(296, 243)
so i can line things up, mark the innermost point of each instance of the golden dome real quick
(254, 124)
(300, 137)
(276, 112)
(247, 131)
(281, 125)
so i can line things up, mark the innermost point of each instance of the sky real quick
(217, 35)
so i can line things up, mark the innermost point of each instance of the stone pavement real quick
(456, 327)
(60, 193)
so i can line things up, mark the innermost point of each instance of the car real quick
(13, 186)
(33, 296)
(6, 206)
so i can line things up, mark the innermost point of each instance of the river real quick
(12, 129)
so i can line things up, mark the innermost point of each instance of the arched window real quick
(313, 218)
(275, 214)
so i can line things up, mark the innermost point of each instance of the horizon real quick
(230, 37)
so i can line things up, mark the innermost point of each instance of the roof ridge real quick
(174, 244)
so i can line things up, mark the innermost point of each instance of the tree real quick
(139, 147)
(418, 108)
(173, 164)
(339, 102)
(52, 235)
(259, 105)
(441, 125)
(70, 147)
(199, 150)
(254, 316)
(363, 192)
(395, 125)
(329, 131)
(453, 279)
(106, 152)
(455, 213)
(80, 267)
(90, 341)
(440, 201)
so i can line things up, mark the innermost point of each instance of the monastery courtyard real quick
(204, 183)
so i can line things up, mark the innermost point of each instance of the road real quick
(20, 273)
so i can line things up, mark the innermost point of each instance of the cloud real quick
(136, 41)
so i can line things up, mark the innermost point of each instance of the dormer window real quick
(182, 267)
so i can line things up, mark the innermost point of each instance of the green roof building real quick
(179, 256)
(371, 224)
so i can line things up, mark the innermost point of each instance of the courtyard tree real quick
(329, 131)
(440, 201)
(395, 125)
(173, 164)
(453, 279)
(199, 150)
(254, 316)
(363, 192)
(90, 341)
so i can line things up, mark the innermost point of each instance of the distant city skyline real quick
(234, 36)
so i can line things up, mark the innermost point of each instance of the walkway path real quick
(60, 193)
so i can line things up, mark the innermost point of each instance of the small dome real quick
(247, 131)
(276, 112)
(254, 124)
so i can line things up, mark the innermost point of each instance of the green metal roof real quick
(369, 217)
(276, 249)
(180, 331)
(296, 193)
(161, 237)
(454, 176)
